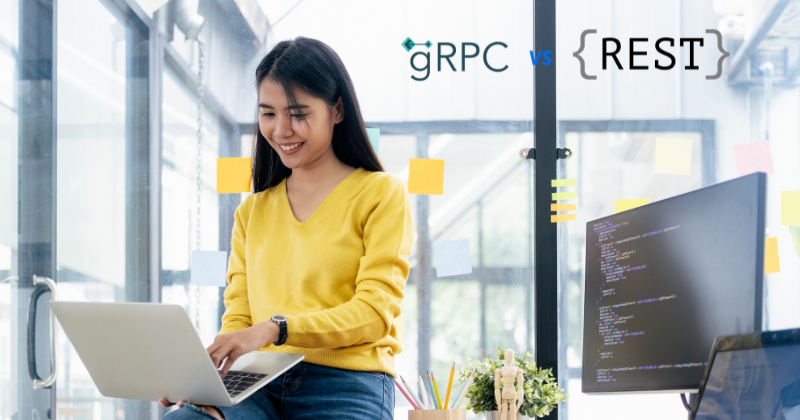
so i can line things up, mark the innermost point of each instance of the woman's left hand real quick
(238, 343)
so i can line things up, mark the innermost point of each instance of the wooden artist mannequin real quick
(509, 400)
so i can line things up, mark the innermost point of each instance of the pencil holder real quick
(451, 414)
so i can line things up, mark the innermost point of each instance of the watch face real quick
(279, 318)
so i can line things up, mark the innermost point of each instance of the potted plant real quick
(541, 390)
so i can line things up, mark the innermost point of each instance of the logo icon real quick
(408, 44)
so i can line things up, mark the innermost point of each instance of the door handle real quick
(43, 284)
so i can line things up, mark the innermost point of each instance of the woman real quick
(323, 241)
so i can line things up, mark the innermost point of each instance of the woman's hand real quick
(207, 408)
(234, 345)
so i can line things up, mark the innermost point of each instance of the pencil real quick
(403, 391)
(432, 395)
(449, 386)
(429, 390)
(436, 390)
(411, 391)
(422, 393)
(464, 394)
(457, 396)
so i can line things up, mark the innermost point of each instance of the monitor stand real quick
(692, 400)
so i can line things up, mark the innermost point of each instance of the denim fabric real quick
(309, 391)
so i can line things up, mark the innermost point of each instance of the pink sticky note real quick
(753, 157)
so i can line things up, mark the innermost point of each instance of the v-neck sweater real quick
(338, 277)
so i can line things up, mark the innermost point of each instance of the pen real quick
(422, 393)
(449, 386)
(413, 395)
(464, 393)
(436, 390)
(403, 391)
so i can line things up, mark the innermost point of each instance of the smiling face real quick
(302, 133)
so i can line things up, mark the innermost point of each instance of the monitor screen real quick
(664, 280)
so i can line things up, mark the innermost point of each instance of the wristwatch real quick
(281, 321)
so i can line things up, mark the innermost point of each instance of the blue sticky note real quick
(374, 137)
(209, 268)
(452, 257)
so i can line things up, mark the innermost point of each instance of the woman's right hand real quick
(207, 408)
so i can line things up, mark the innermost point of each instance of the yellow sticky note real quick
(673, 156)
(564, 182)
(790, 208)
(426, 176)
(233, 175)
(771, 262)
(622, 204)
(561, 207)
(555, 218)
(565, 195)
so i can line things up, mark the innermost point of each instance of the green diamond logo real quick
(408, 44)
(428, 44)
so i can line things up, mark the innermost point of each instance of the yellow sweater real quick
(338, 277)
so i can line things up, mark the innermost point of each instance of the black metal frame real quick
(545, 262)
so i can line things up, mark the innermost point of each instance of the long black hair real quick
(313, 67)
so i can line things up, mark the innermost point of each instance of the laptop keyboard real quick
(237, 382)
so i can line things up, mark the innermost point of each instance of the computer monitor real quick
(666, 279)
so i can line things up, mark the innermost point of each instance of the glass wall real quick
(611, 124)
(8, 209)
(92, 165)
(179, 205)
(474, 118)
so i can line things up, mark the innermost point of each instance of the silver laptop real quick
(148, 351)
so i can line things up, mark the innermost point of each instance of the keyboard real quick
(237, 382)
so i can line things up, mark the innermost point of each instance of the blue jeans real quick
(309, 391)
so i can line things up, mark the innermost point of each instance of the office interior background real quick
(128, 211)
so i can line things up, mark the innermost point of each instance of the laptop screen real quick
(760, 383)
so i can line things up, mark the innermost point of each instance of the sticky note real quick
(426, 176)
(771, 262)
(673, 156)
(622, 204)
(753, 157)
(795, 231)
(452, 257)
(374, 135)
(561, 207)
(233, 175)
(555, 218)
(790, 208)
(564, 182)
(565, 195)
(209, 268)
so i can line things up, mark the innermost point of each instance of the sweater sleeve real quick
(382, 274)
(237, 304)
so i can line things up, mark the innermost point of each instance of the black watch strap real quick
(282, 335)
